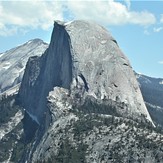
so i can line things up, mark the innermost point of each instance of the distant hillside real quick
(13, 62)
(152, 91)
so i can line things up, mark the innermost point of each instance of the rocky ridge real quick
(13, 62)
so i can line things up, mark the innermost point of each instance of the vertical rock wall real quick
(53, 68)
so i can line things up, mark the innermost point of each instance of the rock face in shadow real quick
(53, 68)
(85, 59)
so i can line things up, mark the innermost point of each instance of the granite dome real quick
(84, 58)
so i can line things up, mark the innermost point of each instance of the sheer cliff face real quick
(53, 68)
(85, 59)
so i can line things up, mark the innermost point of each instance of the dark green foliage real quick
(132, 143)
(69, 154)
(12, 141)
(17, 152)
(18, 147)
(95, 117)
(135, 128)
(92, 106)
(7, 108)
(85, 124)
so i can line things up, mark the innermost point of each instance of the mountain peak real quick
(84, 58)
(82, 73)
(36, 40)
(13, 62)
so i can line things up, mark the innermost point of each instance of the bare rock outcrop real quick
(84, 58)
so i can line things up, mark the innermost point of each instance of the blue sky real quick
(136, 25)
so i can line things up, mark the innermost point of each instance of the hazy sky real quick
(136, 25)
